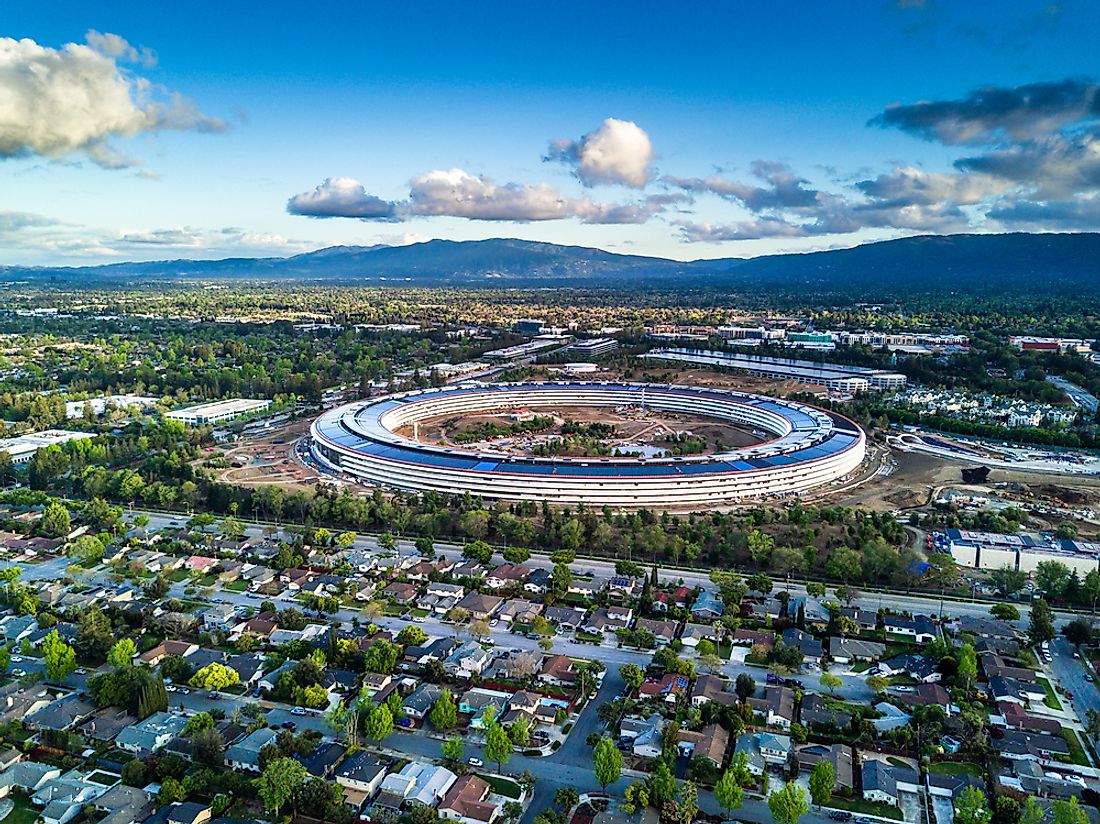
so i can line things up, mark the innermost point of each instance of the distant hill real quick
(952, 263)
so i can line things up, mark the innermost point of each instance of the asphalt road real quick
(1071, 674)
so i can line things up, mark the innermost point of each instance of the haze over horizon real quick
(210, 132)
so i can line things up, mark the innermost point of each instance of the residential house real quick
(925, 695)
(164, 649)
(811, 649)
(852, 650)
(468, 802)
(245, 754)
(360, 775)
(670, 687)
(481, 607)
(418, 783)
(63, 798)
(557, 670)
(467, 661)
(664, 632)
(567, 618)
(1011, 690)
(918, 628)
(708, 605)
(507, 575)
(587, 587)
(538, 582)
(776, 705)
(608, 620)
(890, 717)
(883, 782)
(915, 666)
(753, 637)
(645, 735)
(152, 734)
(419, 702)
(865, 619)
(1014, 716)
(709, 688)
(709, 743)
(401, 594)
(62, 714)
(816, 714)
(694, 633)
(323, 760)
(840, 756)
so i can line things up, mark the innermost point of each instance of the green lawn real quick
(1076, 752)
(237, 586)
(23, 812)
(862, 666)
(177, 576)
(503, 786)
(956, 768)
(897, 762)
(859, 806)
(1051, 700)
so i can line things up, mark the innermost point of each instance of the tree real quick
(831, 682)
(121, 655)
(516, 554)
(381, 657)
(1079, 632)
(480, 630)
(1041, 624)
(60, 658)
(208, 748)
(477, 550)
(662, 786)
(633, 675)
(1004, 612)
(1068, 811)
(1032, 812)
(411, 636)
(815, 590)
(1008, 581)
(444, 714)
(788, 804)
(967, 666)
(759, 583)
(452, 749)
(744, 686)
(215, 677)
(498, 746)
(728, 792)
(972, 807)
(822, 782)
(878, 683)
(607, 762)
(198, 722)
(279, 781)
(379, 723)
(567, 798)
(55, 521)
(87, 549)
(520, 731)
(1051, 578)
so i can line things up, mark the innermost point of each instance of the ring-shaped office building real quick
(808, 447)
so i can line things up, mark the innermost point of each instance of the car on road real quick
(840, 815)
(1088, 676)
(904, 689)
(184, 690)
(289, 725)
(171, 688)
(864, 819)
(18, 673)
(298, 711)
(476, 762)
(494, 622)
(420, 619)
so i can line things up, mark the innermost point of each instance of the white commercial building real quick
(22, 448)
(1024, 552)
(217, 411)
(75, 409)
(834, 376)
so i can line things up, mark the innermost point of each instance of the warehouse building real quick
(1024, 552)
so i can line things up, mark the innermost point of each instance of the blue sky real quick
(687, 130)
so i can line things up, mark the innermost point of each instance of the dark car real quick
(289, 725)
(840, 815)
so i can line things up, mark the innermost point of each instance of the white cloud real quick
(619, 151)
(458, 193)
(340, 197)
(58, 102)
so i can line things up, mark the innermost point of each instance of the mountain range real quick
(1020, 262)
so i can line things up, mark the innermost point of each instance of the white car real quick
(171, 688)
(18, 673)
(298, 711)
(904, 689)
(476, 762)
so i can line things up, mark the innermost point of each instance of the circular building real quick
(808, 447)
